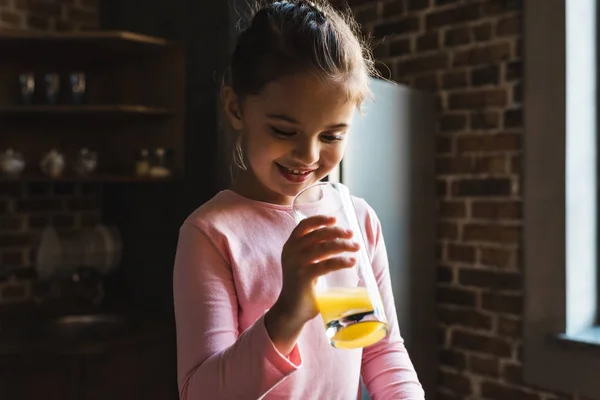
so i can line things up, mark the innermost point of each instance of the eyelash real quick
(285, 135)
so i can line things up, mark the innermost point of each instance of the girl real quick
(247, 322)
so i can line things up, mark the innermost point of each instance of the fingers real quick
(310, 224)
(325, 250)
(325, 234)
(333, 264)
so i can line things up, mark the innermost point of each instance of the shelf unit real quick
(135, 99)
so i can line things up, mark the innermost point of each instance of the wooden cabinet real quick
(134, 99)
(141, 372)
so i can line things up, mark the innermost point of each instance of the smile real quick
(295, 175)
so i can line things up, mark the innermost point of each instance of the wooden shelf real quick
(84, 110)
(102, 42)
(99, 178)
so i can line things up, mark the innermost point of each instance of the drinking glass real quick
(52, 87)
(78, 86)
(348, 299)
(27, 86)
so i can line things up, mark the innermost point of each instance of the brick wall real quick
(48, 15)
(26, 208)
(469, 54)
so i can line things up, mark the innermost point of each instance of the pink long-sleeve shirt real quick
(228, 274)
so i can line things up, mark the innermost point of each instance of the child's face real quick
(294, 134)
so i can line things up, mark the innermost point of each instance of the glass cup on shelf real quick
(77, 84)
(349, 300)
(52, 87)
(27, 87)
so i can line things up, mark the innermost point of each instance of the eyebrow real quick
(291, 120)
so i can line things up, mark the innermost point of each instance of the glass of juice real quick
(348, 299)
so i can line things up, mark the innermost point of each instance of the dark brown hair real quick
(298, 36)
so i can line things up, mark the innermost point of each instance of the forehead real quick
(306, 98)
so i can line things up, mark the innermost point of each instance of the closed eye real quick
(284, 134)
(333, 138)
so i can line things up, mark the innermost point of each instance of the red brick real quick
(514, 71)
(453, 209)
(497, 280)
(428, 41)
(509, 26)
(456, 296)
(502, 303)
(490, 165)
(481, 187)
(482, 32)
(499, 391)
(452, 358)
(491, 233)
(453, 122)
(482, 55)
(400, 27)
(496, 210)
(481, 344)
(513, 118)
(494, 257)
(426, 63)
(461, 253)
(478, 99)
(393, 8)
(454, 165)
(502, 7)
(427, 82)
(508, 326)
(457, 36)
(400, 47)
(517, 93)
(489, 75)
(485, 366)
(515, 164)
(454, 79)
(365, 15)
(451, 16)
(484, 120)
(464, 318)
(512, 373)
(488, 143)
(455, 382)
(447, 230)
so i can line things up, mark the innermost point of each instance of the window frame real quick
(552, 359)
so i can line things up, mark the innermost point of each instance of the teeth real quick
(297, 172)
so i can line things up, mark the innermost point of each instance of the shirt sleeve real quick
(387, 369)
(215, 361)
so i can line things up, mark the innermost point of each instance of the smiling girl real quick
(247, 322)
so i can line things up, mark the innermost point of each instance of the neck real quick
(246, 184)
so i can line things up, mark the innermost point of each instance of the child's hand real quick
(309, 253)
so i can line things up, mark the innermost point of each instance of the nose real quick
(307, 151)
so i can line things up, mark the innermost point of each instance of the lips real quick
(295, 175)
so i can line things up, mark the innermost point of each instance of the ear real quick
(233, 108)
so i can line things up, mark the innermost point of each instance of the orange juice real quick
(350, 320)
